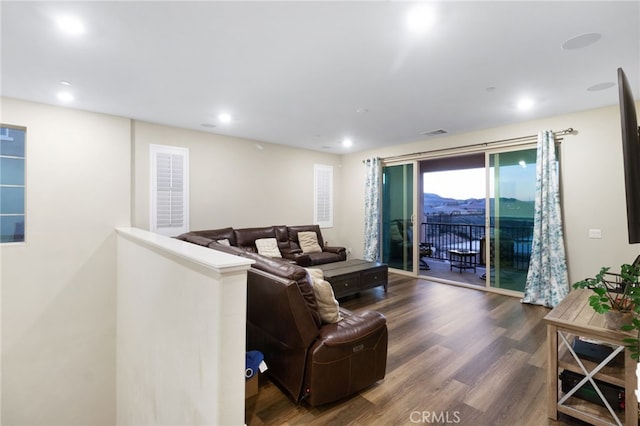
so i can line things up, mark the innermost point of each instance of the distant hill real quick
(434, 204)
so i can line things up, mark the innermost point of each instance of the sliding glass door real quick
(465, 234)
(397, 216)
(510, 207)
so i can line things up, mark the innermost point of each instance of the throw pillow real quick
(224, 242)
(308, 241)
(268, 247)
(315, 274)
(328, 306)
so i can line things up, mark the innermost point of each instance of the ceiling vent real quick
(435, 132)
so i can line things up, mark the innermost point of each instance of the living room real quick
(87, 174)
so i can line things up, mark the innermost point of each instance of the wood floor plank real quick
(456, 356)
(495, 378)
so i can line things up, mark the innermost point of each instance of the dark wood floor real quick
(456, 356)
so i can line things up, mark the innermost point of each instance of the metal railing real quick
(437, 238)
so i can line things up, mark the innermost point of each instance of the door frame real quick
(487, 247)
(415, 196)
(486, 150)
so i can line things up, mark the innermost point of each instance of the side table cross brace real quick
(589, 376)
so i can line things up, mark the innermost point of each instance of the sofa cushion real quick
(246, 237)
(328, 306)
(213, 234)
(196, 239)
(268, 247)
(308, 241)
(323, 258)
(294, 230)
(282, 236)
(226, 248)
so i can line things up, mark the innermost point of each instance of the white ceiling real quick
(297, 73)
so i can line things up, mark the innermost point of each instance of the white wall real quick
(58, 288)
(236, 182)
(592, 185)
(181, 332)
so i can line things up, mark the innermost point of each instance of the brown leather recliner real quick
(327, 255)
(312, 362)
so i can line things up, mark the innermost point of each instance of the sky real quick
(458, 184)
(516, 182)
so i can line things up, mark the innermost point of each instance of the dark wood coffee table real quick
(354, 275)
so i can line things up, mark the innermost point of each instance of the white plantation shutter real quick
(169, 190)
(323, 195)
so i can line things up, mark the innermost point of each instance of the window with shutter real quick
(169, 190)
(323, 195)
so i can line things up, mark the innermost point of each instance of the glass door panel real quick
(512, 184)
(397, 214)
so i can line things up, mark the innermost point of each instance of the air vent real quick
(435, 132)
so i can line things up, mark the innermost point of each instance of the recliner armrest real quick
(334, 249)
(290, 251)
(297, 256)
(352, 327)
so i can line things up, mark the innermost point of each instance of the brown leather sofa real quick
(286, 236)
(309, 360)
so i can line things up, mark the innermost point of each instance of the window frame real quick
(323, 195)
(154, 150)
(23, 129)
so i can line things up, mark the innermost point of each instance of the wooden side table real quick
(574, 318)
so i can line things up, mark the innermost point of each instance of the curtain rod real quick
(567, 131)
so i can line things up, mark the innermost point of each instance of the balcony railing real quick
(437, 238)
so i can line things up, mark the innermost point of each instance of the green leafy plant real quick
(618, 292)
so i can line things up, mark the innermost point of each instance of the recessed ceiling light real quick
(420, 19)
(65, 96)
(524, 104)
(362, 110)
(581, 41)
(347, 143)
(600, 86)
(225, 118)
(70, 25)
(65, 83)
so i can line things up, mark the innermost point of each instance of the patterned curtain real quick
(372, 210)
(547, 280)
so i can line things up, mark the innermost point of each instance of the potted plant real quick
(618, 296)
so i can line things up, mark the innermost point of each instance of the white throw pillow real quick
(316, 274)
(268, 247)
(224, 242)
(309, 242)
(328, 306)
